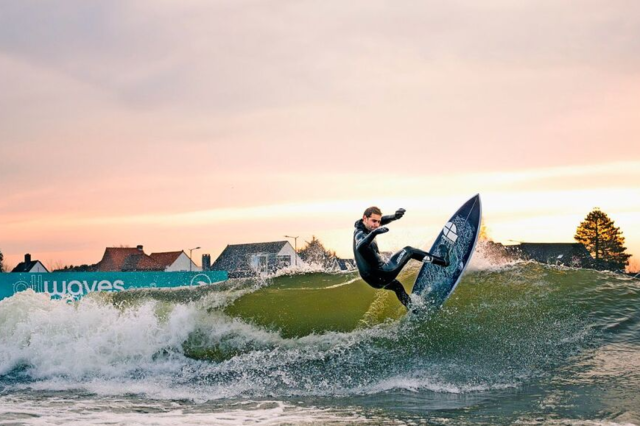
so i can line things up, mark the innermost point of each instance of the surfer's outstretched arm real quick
(391, 217)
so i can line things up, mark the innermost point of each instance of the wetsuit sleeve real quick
(386, 219)
(363, 240)
(391, 217)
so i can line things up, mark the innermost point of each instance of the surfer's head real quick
(371, 218)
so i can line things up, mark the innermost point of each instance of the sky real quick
(192, 123)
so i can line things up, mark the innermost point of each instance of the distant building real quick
(174, 261)
(126, 259)
(566, 254)
(345, 264)
(30, 266)
(206, 262)
(243, 260)
(336, 264)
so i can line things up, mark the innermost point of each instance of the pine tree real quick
(1, 262)
(603, 240)
(314, 252)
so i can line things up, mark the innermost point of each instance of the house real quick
(345, 264)
(567, 254)
(126, 259)
(30, 266)
(336, 264)
(243, 260)
(175, 261)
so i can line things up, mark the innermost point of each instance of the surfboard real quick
(434, 284)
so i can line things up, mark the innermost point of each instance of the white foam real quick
(125, 412)
(56, 338)
(94, 346)
(418, 382)
(486, 258)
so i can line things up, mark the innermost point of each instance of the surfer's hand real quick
(399, 213)
(381, 230)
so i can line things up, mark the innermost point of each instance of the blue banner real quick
(77, 284)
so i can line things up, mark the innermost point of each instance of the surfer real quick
(373, 269)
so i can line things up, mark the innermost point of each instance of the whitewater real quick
(517, 343)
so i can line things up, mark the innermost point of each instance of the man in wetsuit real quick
(373, 269)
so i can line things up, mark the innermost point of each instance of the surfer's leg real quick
(400, 259)
(426, 257)
(398, 288)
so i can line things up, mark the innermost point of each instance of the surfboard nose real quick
(472, 202)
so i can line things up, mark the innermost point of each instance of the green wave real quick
(300, 305)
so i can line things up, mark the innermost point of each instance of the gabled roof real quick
(126, 259)
(27, 266)
(271, 247)
(166, 259)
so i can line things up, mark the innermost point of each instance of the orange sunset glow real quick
(177, 125)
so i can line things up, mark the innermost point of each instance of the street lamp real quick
(295, 241)
(191, 260)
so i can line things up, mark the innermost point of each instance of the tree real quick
(314, 252)
(603, 240)
(71, 268)
(484, 233)
(1, 262)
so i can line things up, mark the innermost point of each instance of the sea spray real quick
(504, 328)
(86, 338)
(516, 343)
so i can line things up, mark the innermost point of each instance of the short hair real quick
(372, 210)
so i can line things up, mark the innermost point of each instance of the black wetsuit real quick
(374, 270)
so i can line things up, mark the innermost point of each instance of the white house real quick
(30, 266)
(174, 261)
(241, 260)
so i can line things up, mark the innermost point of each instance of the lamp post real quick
(191, 260)
(295, 241)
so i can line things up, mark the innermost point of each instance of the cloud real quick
(161, 108)
(249, 55)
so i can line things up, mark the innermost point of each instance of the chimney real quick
(27, 258)
(139, 248)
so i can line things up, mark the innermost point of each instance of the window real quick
(260, 262)
(284, 261)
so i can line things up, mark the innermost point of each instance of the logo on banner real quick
(200, 279)
(80, 288)
(36, 285)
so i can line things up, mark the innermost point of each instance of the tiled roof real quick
(271, 247)
(126, 259)
(166, 259)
